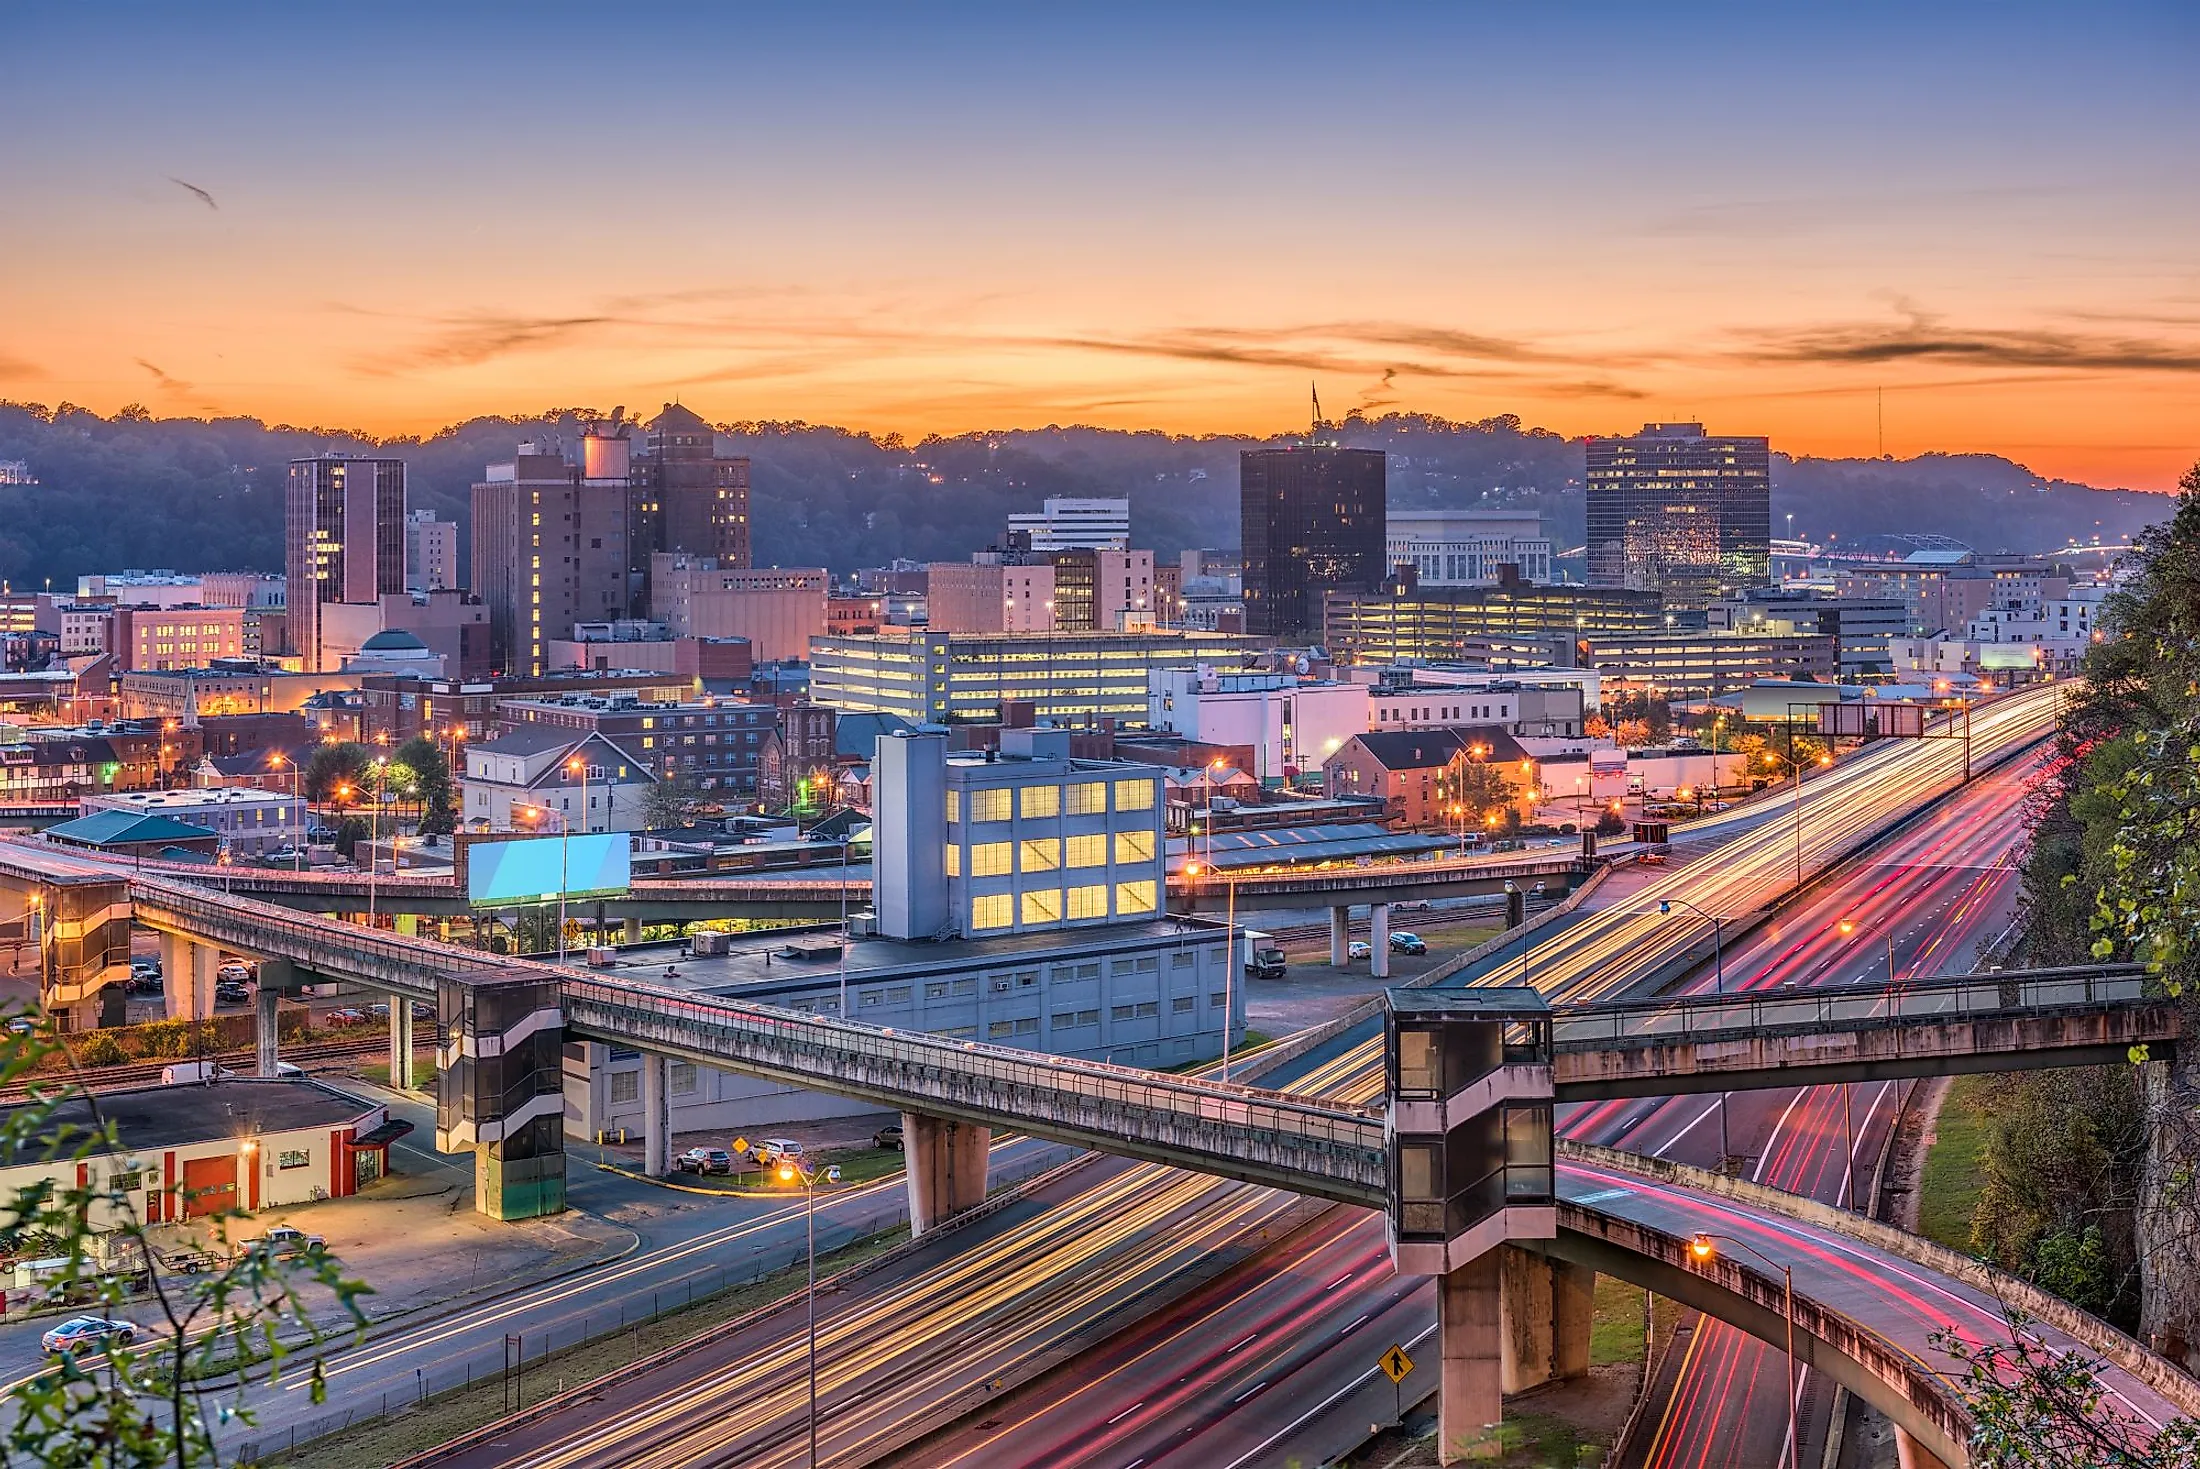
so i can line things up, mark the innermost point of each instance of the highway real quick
(1602, 951)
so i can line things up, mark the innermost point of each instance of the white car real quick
(772, 1149)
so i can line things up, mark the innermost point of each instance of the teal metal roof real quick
(128, 828)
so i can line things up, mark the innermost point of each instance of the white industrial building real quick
(1070, 523)
(1290, 724)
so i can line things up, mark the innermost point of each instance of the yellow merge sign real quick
(1396, 1364)
(740, 1145)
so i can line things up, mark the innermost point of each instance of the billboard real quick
(1862, 720)
(2003, 657)
(534, 869)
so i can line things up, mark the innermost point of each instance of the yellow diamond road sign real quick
(740, 1145)
(1396, 1364)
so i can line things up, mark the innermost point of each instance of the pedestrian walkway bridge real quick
(2012, 1020)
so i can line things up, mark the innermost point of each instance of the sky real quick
(1916, 227)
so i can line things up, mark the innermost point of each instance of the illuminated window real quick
(1088, 798)
(1089, 902)
(1044, 906)
(1133, 898)
(1042, 801)
(1134, 846)
(954, 860)
(1134, 795)
(954, 806)
(990, 859)
(1088, 851)
(1043, 855)
(993, 910)
(990, 805)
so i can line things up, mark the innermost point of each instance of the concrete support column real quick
(1469, 1331)
(264, 1008)
(634, 930)
(401, 1043)
(946, 1163)
(1911, 1454)
(656, 1117)
(1378, 940)
(1549, 1309)
(1340, 937)
(187, 977)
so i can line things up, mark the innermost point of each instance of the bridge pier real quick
(1470, 1384)
(946, 1162)
(656, 1117)
(1549, 1307)
(1340, 936)
(634, 930)
(1911, 1454)
(187, 977)
(275, 977)
(1378, 940)
(401, 1043)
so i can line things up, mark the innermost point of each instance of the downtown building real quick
(1409, 623)
(551, 548)
(967, 678)
(687, 498)
(1679, 512)
(344, 539)
(1313, 520)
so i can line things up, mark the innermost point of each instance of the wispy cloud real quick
(1924, 337)
(17, 369)
(177, 388)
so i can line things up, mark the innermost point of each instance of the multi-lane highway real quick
(1600, 951)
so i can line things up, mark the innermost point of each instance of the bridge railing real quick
(1847, 1006)
(747, 1030)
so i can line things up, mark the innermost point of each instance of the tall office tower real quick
(344, 539)
(550, 549)
(1313, 520)
(687, 497)
(1679, 512)
(431, 552)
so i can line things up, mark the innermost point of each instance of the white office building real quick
(1291, 724)
(1465, 548)
(1074, 524)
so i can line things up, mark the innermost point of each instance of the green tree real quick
(430, 783)
(334, 765)
(143, 1403)
(671, 802)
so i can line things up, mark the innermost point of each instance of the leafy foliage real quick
(2034, 1406)
(429, 782)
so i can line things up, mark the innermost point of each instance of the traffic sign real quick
(740, 1145)
(1396, 1364)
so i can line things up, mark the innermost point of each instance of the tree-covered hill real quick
(139, 491)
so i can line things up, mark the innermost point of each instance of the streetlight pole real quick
(1229, 973)
(374, 831)
(1718, 980)
(576, 765)
(789, 1171)
(1702, 1248)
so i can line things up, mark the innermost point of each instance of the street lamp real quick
(1848, 926)
(574, 766)
(374, 832)
(1718, 980)
(1702, 1248)
(791, 1169)
(277, 761)
(1229, 928)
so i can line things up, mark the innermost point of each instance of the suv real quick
(1407, 943)
(704, 1160)
(285, 1239)
(888, 1137)
(773, 1149)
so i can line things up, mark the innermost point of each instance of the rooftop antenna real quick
(1313, 390)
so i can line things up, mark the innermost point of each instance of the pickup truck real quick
(1267, 963)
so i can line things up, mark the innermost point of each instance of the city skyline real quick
(984, 222)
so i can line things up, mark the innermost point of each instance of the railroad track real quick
(147, 1073)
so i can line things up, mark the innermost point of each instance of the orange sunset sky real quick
(978, 218)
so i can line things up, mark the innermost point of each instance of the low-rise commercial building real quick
(240, 686)
(778, 609)
(989, 596)
(1419, 775)
(957, 678)
(1289, 724)
(548, 779)
(248, 822)
(1703, 665)
(166, 638)
(710, 743)
(1861, 627)
(1409, 623)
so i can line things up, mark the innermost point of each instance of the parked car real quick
(321, 834)
(704, 1160)
(232, 992)
(81, 1332)
(285, 1239)
(147, 982)
(345, 1017)
(1358, 949)
(1407, 943)
(773, 1149)
(888, 1137)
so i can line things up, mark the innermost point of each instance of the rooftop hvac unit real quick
(711, 942)
(602, 958)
